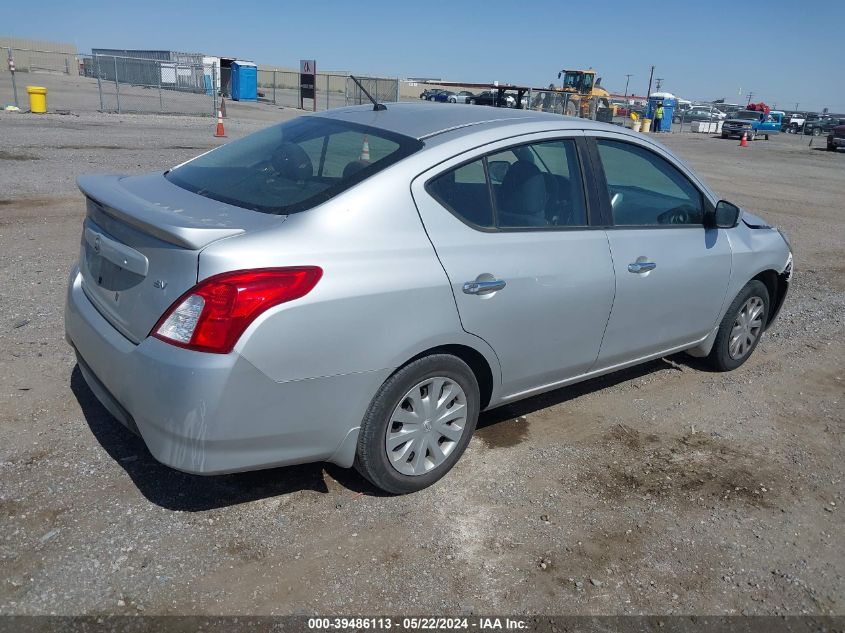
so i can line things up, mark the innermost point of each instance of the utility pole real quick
(627, 79)
(659, 80)
(796, 106)
(750, 96)
(650, 77)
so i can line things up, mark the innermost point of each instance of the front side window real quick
(293, 166)
(529, 186)
(645, 189)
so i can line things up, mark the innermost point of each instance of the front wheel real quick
(418, 424)
(741, 328)
(817, 131)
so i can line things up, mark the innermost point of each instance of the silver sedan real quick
(356, 286)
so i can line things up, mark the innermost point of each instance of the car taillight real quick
(212, 315)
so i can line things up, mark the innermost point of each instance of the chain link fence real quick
(114, 83)
(334, 90)
(127, 84)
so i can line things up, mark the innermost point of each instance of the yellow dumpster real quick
(37, 99)
(646, 125)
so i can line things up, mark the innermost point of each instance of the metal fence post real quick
(160, 98)
(346, 91)
(274, 86)
(99, 83)
(328, 86)
(214, 88)
(11, 70)
(116, 83)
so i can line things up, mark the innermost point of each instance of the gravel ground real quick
(662, 489)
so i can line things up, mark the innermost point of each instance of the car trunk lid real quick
(141, 243)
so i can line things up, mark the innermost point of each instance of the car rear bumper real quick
(214, 413)
(838, 141)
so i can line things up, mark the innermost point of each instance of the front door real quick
(672, 273)
(528, 273)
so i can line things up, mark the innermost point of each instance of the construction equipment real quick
(583, 93)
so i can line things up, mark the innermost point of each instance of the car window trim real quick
(604, 192)
(580, 148)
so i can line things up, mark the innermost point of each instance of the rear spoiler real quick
(159, 208)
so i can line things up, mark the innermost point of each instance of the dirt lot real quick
(663, 489)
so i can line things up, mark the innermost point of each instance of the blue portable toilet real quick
(669, 105)
(244, 81)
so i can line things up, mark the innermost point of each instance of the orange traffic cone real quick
(220, 131)
(743, 142)
(365, 149)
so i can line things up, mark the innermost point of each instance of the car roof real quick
(424, 120)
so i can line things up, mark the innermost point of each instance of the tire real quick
(752, 136)
(831, 147)
(721, 357)
(724, 135)
(472, 101)
(393, 402)
(817, 131)
(767, 137)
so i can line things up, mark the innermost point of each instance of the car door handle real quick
(641, 267)
(483, 287)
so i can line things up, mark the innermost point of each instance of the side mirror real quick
(725, 216)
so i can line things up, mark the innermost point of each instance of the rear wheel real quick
(418, 424)
(767, 137)
(741, 328)
(817, 131)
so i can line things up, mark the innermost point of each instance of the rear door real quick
(672, 273)
(530, 275)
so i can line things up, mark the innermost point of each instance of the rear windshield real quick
(750, 115)
(292, 166)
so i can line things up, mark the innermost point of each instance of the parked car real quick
(836, 138)
(463, 96)
(622, 109)
(441, 95)
(698, 114)
(281, 299)
(817, 127)
(428, 92)
(490, 98)
(752, 123)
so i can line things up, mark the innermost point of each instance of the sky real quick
(779, 51)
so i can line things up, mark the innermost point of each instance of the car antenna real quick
(376, 105)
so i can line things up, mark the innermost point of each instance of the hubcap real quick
(426, 426)
(746, 328)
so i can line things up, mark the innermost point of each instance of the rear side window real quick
(293, 166)
(529, 186)
(645, 189)
(464, 191)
